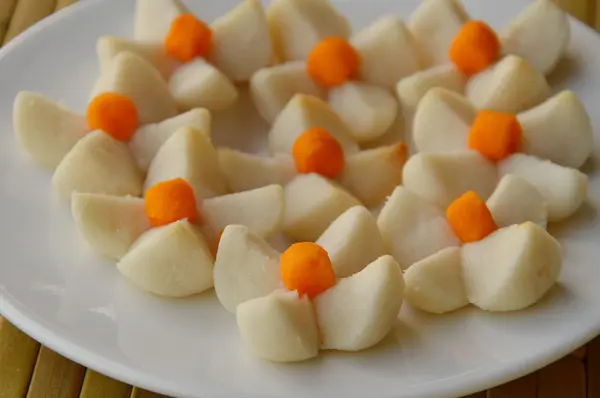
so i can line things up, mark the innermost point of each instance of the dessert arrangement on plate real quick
(462, 221)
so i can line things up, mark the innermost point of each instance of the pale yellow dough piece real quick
(261, 210)
(312, 203)
(245, 171)
(242, 41)
(516, 201)
(411, 89)
(434, 25)
(188, 154)
(435, 283)
(298, 25)
(564, 189)
(98, 164)
(359, 311)
(511, 269)
(368, 110)
(540, 34)
(153, 19)
(440, 178)
(280, 327)
(45, 129)
(512, 85)
(442, 121)
(148, 139)
(413, 229)
(109, 224)
(131, 75)
(108, 47)
(170, 261)
(302, 113)
(198, 84)
(372, 174)
(273, 87)
(388, 52)
(246, 267)
(352, 241)
(559, 130)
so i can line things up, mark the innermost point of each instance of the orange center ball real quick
(470, 218)
(306, 268)
(317, 151)
(495, 135)
(333, 62)
(475, 47)
(115, 114)
(171, 201)
(188, 38)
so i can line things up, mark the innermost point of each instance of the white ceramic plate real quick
(56, 290)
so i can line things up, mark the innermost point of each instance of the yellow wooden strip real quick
(18, 354)
(60, 4)
(7, 7)
(565, 378)
(525, 387)
(55, 376)
(596, 4)
(580, 9)
(27, 13)
(139, 393)
(592, 11)
(593, 368)
(96, 385)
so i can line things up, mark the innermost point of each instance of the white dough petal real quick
(46, 130)
(559, 130)
(540, 34)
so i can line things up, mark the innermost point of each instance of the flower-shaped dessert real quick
(314, 157)
(298, 25)
(108, 150)
(357, 74)
(559, 129)
(190, 155)
(473, 252)
(240, 41)
(455, 49)
(201, 62)
(164, 242)
(290, 305)
(414, 227)
(248, 268)
(442, 177)
(504, 269)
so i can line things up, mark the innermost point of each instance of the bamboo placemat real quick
(33, 371)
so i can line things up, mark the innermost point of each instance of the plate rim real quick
(466, 383)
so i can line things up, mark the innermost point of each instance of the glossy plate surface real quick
(56, 290)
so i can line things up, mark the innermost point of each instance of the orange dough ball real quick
(171, 201)
(306, 268)
(115, 114)
(188, 38)
(332, 62)
(317, 151)
(470, 218)
(475, 47)
(495, 135)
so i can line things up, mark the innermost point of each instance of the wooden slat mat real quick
(28, 370)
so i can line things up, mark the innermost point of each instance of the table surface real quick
(30, 370)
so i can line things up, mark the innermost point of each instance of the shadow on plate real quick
(584, 219)
(240, 126)
(570, 65)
